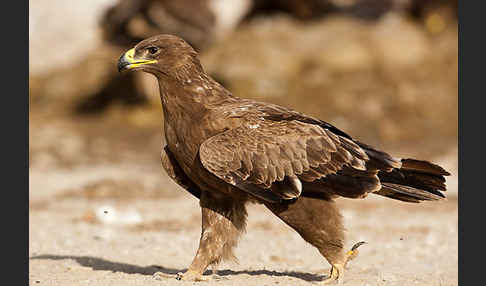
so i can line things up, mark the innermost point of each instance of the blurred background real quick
(383, 71)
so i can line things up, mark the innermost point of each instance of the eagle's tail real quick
(414, 181)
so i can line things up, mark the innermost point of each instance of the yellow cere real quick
(135, 63)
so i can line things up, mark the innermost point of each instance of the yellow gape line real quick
(135, 63)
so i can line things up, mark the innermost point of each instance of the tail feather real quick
(423, 167)
(414, 181)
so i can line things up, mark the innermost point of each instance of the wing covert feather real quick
(263, 152)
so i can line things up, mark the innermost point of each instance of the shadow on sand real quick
(106, 265)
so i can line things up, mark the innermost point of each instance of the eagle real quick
(229, 151)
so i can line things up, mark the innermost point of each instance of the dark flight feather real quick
(416, 180)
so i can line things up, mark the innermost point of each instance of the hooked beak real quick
(127, 61)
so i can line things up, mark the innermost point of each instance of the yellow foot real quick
(337, 270)
(351, 254)
(336, 274)
(191, 276)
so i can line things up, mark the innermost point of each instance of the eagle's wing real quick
(271, 159)
(176, 173)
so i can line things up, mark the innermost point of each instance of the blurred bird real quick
(203, 22)
(228, 151)
(199, 22)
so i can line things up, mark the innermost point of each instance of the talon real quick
(351, 254)
(356, 245)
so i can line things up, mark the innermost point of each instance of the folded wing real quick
(273, 159)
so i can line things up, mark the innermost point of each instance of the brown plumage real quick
(228, 151)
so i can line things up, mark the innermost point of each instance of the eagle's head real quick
(162, 56)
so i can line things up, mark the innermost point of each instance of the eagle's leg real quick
(319, 223)
(223, 220)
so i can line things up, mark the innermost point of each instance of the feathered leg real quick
(319, 223)
(223, 220)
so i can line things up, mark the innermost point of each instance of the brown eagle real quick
(228, 151)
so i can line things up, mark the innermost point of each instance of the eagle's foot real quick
(337, 270)
(336, 275)
(190, 275)
(351, 254)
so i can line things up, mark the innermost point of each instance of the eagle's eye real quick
(153, 50)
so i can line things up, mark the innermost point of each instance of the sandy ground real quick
(103, 212)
